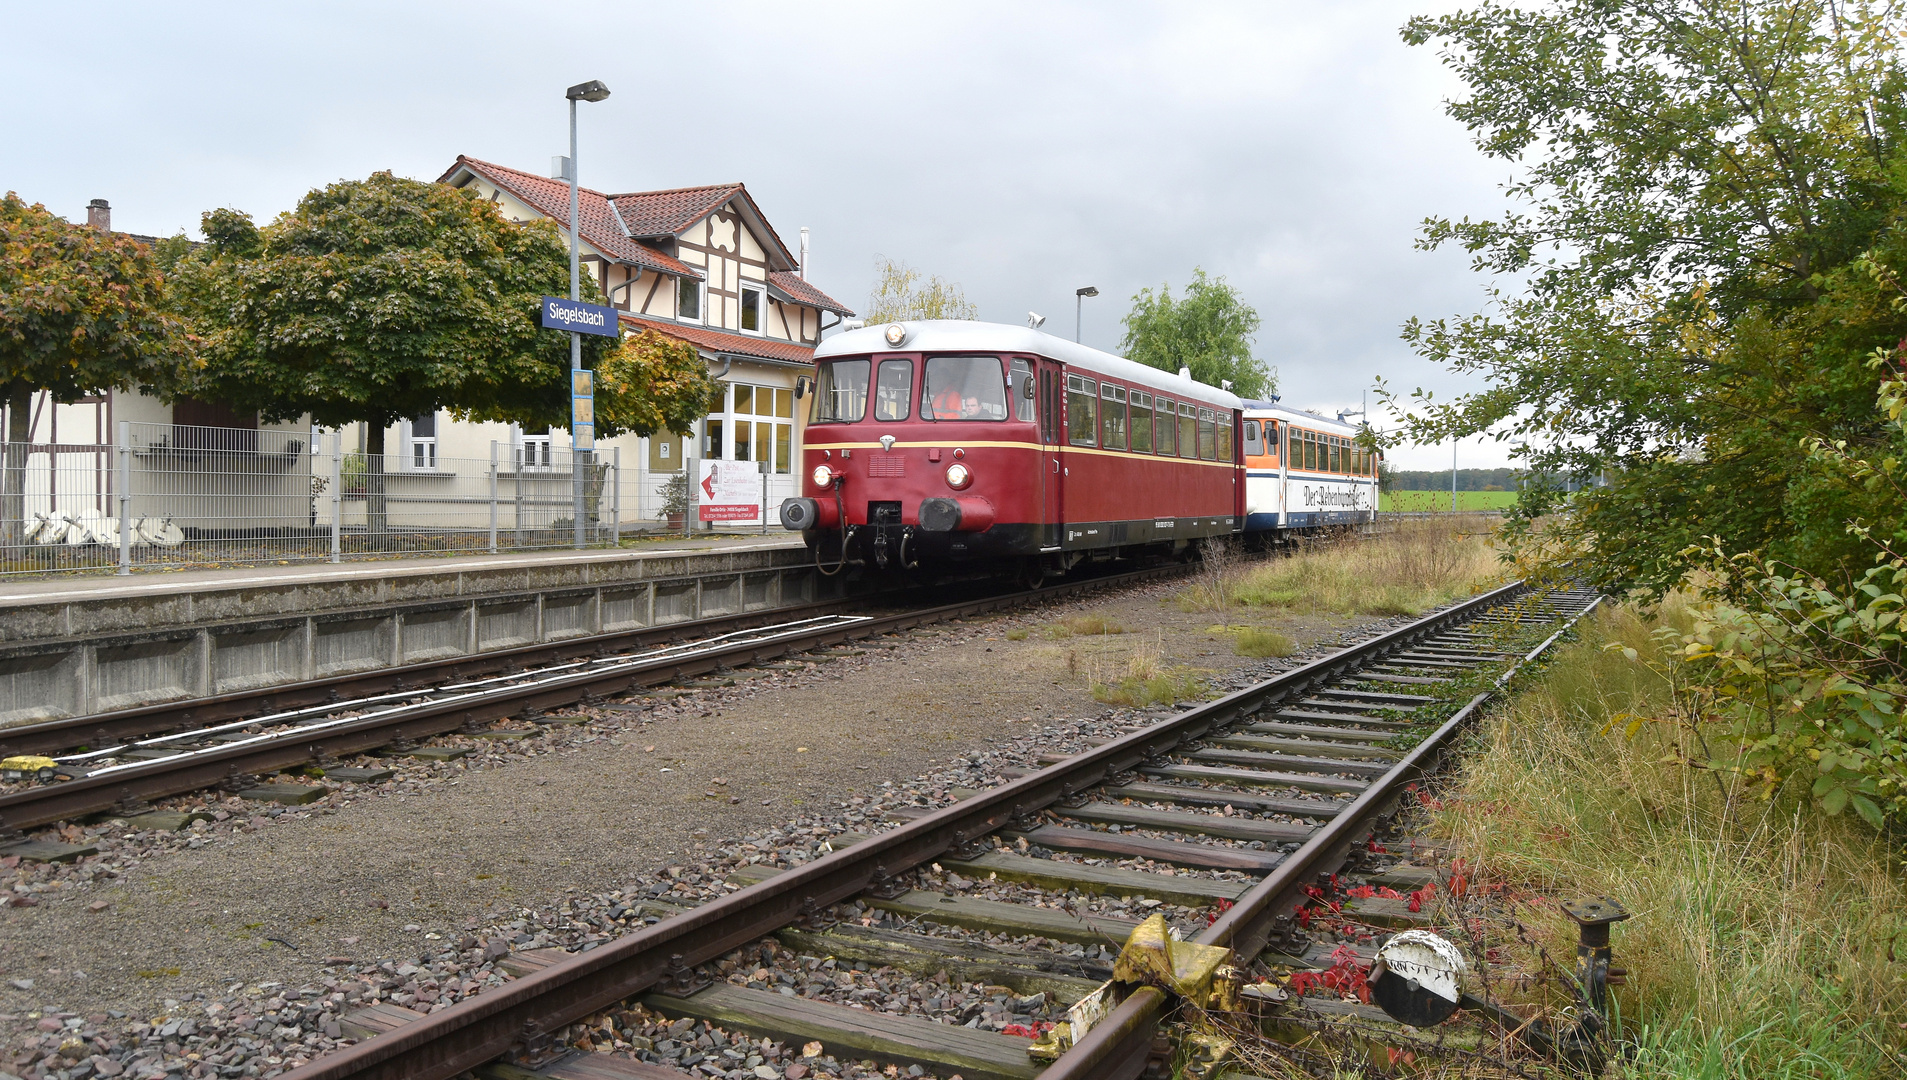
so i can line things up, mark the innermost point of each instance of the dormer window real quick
(688, 299)
(751, 310)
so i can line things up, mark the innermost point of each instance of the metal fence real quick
(201, 497)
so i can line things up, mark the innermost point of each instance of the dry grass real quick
(1085, 626)
(1140, 677)
(1417, 565)
(1763, 934)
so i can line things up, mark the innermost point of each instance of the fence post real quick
(764, 497)
(493, 496)
(125, 498)
(337, 495)
(615, 496)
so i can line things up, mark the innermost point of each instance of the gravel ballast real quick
(235, 947)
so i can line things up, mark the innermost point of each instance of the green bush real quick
(1798, 682)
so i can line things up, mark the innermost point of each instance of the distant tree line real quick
(1467, 480)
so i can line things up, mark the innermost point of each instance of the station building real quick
(702, 265)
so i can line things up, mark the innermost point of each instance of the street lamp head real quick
(1090, 290)
(593, 90)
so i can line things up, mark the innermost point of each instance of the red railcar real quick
(943, 441)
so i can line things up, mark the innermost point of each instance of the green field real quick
(1440, 500)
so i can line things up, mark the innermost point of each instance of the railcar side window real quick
(963, 388)
(1112, 416)
(1224, 436)
(1024, 404)
(1082, 416)
(1254, 447)
(1141, 422)
(840, 392)
(1206, 447)
(892, 388)
(1337, 454)
(1188, 431)
(1165, 429)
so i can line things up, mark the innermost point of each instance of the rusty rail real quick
(1118, 1047)
(49, 803)
(486, 1027)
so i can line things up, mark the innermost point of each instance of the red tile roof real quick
(596, 220)
(801, 292)
(721, 341)
(654, 214)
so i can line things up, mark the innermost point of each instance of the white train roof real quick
(1271, 410)
(960, 335)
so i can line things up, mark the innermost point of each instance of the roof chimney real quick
(99, 215)
(804, 253)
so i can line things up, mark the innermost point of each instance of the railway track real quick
(1227, 811)
(117, 762)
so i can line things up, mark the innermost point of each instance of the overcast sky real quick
(1021, 150)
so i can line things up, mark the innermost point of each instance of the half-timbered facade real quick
(699, 264)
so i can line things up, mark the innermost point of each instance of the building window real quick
(533, 453)
(688, 299)
(423, 448)
(762, 420)
(751, 310)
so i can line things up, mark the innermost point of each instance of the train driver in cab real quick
(965, 388)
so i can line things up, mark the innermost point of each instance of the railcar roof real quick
(960, 335)
(1263, 410)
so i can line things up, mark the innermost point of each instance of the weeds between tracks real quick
(1765, 935)
(1417, 564)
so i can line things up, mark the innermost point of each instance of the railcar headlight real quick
(896, 335)
(823, 476)
(958, 477)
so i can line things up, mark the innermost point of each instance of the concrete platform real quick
(77, 646)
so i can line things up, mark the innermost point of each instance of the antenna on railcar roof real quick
(1034, 319)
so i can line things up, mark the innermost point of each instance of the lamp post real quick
(1079, 304)
(593, 90)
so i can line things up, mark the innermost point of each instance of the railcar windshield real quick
(892, 387)
(840, 392)
(963, 388)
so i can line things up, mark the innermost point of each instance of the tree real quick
(80, 312)
(899, 296)
(651, 383)
(384, 298)
(1209, 331)
(1710, 200)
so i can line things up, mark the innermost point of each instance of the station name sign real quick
(560, 314)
